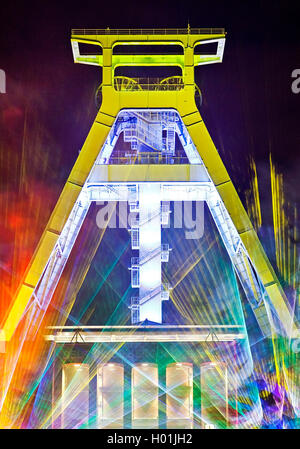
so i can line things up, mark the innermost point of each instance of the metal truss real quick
(247, 275)
(95, 189)
(139, 334)
(142, 127)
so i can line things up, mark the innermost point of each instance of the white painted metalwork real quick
(201, 190)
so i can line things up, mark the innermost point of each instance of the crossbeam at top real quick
(146, 31)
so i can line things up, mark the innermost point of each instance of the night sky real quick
(248, 105)
(48, 108)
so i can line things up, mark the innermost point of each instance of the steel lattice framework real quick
(150, 113)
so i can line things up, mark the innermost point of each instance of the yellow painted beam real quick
(146, 60)
(110, 40)
(149, 172)
(18, 307)
(238, 214)
(153, 173)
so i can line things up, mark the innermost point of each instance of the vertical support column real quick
(150, 252)
(179, 387)
(75, 395)
(214, 395)
(110, 395)
(107, 78)
(189, 73)
(107, 75)
(144, 391)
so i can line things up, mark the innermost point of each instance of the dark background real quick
(248, 104)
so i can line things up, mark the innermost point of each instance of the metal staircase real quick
(146, 269)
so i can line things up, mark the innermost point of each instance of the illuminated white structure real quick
(146, 270)
(75, 395)
(110, 395)
(166, 156)
(214, 395)
(179, 398)
(186, 180)
(144, 394)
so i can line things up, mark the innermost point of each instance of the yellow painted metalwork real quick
(141, 173)
(115, 99)
(17, 310)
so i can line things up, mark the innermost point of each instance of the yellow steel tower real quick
(149, 113)
(173, 102)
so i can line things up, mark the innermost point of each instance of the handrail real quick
(152, 31)
(149, 295)
(153, 159)
(148, 83)
(138, 261)
(176, 79)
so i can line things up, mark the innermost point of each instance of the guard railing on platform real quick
(140, 31)
(147, 83)
(147, 159)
